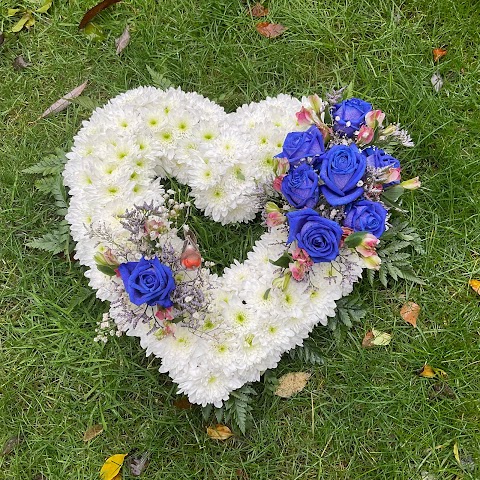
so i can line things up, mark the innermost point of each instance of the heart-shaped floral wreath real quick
(310, 166)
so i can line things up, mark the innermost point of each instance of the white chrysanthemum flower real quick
(227, 160)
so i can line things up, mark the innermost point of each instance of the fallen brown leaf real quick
(10, 445)
(409, 312)
(270, 30)
(122, 41)
(20, 63)
(475, 284)
(438, 53)
(442, 390)
(367, 340)
(258, 10)
(92, 432)
(40, 476)
(94, 11)
(64, 102)
(291, 383)
(219, 432)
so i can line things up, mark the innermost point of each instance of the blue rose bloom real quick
(318, 236)
(148, 281)
(348, 116)
(300, 187)
(299, 145)
(366, 216)
(377, 158)
(341, 169)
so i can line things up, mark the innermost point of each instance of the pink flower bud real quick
(305, 117)
(372, 262)
(368, 245)
(411, 184)
(277, 183)
(374, 118)
(316, 103)
(275, 218)
(365, 135)
(390, 175)
(282, 166)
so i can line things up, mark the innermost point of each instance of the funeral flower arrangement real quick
(316, 173)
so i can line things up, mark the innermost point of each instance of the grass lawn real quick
(365, 414)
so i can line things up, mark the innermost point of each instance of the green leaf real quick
(86, 102)
(309, 352)
(44, 8)
(350, 309)
(266, 294)
(50, 165)
(54, 242)
(392, 194)
(94, 32)
(159, 80)
(11, 12)
(355, 239)
(284, 261)
(348, 92)
(27, 17)
(106, 270)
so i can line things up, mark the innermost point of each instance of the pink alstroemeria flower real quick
(275, 218)
(305, 117)
(365, 135)
(277, 183)
(390, 175)
(302, 257)
(298, 270)
(374, 118)
(411, 184)
(164, 314)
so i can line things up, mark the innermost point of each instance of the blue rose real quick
(349, 115)
(318, 236)
(341, 169)
(298, 145)
(148, 281)
(377, 158)
(300, 187)
(366, 216)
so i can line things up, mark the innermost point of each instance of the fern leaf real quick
(50, 165)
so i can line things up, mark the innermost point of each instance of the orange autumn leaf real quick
(438, 53)
(258, 10)
(270, 30)
(409, 312)
(219, 432)
(475, 284)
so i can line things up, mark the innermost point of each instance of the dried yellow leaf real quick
(456, 453)
(428, 371)
(219, 432)
(381, 338)
(291, 383)
(92, 432)
(409, 312)
(475, 284)
(111, 468)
